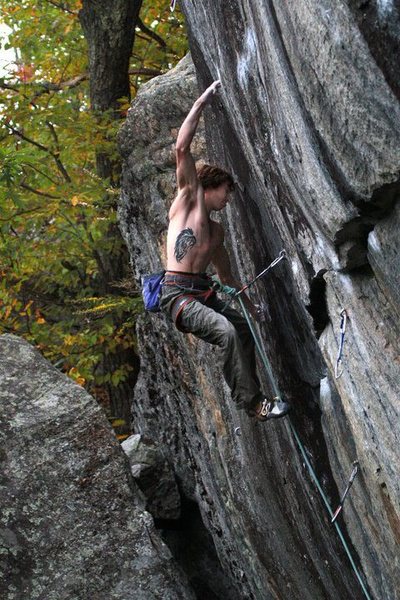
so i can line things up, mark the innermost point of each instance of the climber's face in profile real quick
(217, 198)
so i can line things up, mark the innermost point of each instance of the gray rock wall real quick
(308, 122)
(72, 525)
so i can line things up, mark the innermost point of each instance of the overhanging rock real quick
(308, 123)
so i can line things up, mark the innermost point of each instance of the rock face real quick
(72, 523)
(154, 477)
(308, 122)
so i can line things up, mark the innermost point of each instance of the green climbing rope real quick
(313, 475)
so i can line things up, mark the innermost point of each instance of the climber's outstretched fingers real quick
(211, 91)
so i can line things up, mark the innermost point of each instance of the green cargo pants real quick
(228, 330)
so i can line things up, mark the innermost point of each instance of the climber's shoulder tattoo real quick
(184, 241)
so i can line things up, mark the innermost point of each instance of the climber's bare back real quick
(193, 238)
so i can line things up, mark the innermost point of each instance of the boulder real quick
(72, 522)
(154, 476)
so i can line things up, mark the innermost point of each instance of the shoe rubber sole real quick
(271, 416)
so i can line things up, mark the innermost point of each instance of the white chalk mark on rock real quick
(245, 61)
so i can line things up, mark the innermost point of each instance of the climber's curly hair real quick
(212, 177)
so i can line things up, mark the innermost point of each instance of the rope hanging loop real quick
(303, 452)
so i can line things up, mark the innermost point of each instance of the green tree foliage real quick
(56, 213)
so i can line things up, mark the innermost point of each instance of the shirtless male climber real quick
(194, 241)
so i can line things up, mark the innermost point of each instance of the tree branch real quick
(41, 173)
(38, 192)
(49, 86)
(63, 7)
(145, 71)
(26, 139)
(19, 214)
(6, 86)
(56, 155)
(152, 34)
(46, 87)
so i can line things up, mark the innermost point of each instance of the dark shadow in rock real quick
(352, 239)
(318, 308)
(381, 35)
(193, 548)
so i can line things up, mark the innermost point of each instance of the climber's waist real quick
(189, 281)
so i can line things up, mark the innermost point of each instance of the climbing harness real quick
(346, 491)
(182, 301)
(343, 324)
(194, 287)
(301, 447)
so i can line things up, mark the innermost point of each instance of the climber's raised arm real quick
(185, 166)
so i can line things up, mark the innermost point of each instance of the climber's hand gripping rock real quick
(210, 92)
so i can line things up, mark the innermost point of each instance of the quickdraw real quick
(343, 324)
(346, 491)
(281, 256)
(235, 294)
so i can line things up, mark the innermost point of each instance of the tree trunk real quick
(110, 32)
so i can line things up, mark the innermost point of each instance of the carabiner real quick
(343, 324)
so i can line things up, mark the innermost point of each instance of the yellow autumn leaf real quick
(118, 422)
(74, 200)
(125, 105)
(68, 340)
(28, 305)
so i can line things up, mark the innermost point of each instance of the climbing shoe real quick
(270, 409)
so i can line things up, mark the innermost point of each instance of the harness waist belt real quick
(188, 280)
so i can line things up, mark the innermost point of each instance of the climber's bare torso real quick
(194, 239)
